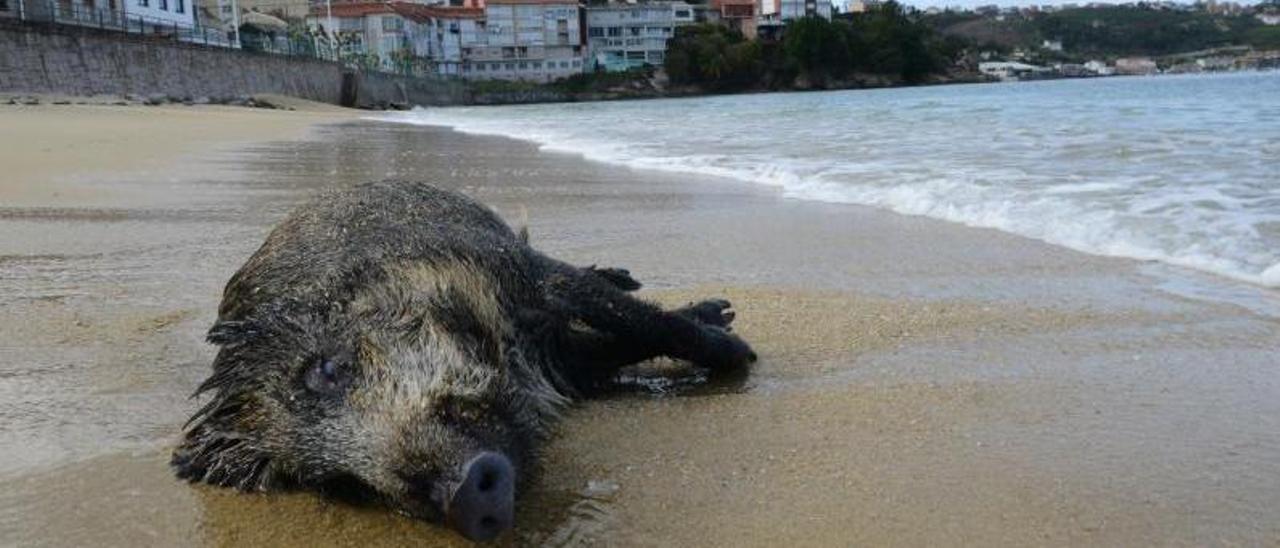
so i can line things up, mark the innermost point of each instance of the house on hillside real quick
(626, 36)
(739, 15)
(796, 9)
(1007, 71)
(1135, 66)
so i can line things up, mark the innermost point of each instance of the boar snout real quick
(483, 504)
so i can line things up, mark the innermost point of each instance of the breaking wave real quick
(1179, 170)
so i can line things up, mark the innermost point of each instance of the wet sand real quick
(919, 383)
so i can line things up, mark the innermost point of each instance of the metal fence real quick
(81, 15)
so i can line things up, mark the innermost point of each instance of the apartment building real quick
(533, 40)
(626, 36)
(449, 35)
(381, 31)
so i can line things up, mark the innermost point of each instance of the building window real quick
(510, 66)
(682, 14)
(164, 5)
(635, 31)
(524, 66)
(635, 56)
(537, 64)
(389, 24)
(144, 3)
(577, 63)
(180, 6)
(615, 31)
(595, 32)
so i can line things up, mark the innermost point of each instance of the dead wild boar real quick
(399, 341)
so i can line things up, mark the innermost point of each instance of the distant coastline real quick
(680, 50)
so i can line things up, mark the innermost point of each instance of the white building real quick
(626, 36)
(1098, 67)
(796, 9)
(176, 12)
(145, 16)
(534, 40)
(1010, 71)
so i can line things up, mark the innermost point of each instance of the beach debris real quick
(601, 489)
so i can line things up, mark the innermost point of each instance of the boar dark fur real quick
(384, 333)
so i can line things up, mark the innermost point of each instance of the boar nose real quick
(483, 505)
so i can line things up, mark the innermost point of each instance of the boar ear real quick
(230, 332)
(210, 454)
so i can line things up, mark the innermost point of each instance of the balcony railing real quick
(69, 13)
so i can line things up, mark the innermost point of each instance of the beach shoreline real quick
(920, 382)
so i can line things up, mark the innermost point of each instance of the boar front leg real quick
(629, 330)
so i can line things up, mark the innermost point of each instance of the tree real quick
(713, 56)
(887, 40)
(819, 48)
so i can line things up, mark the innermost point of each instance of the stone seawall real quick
(71, 60)
(74, 61)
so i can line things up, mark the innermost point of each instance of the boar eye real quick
(326, 376)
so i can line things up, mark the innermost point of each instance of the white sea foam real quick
(1174, 170)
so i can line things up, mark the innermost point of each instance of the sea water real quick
(1183, 170)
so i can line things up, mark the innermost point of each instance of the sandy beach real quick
(920, 383)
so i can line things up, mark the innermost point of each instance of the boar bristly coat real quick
(400, 340)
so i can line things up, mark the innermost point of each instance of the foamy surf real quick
(1134, 168)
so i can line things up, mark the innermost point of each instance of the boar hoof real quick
(723, 351)
(716, 312)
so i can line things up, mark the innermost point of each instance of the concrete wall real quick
(76, 61)
(81, 61)
(378, 90)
